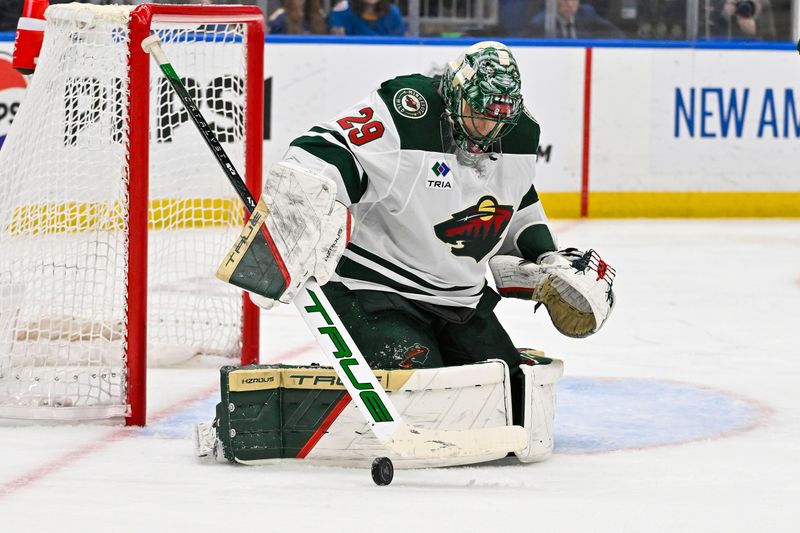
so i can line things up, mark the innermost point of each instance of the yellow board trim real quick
(674, 204)
(163, 213)
(192, 213)
(195, 213)
(561, 204)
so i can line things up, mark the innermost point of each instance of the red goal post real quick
(140, 23)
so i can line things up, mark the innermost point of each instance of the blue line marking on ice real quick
(605, 415)
(179, 425)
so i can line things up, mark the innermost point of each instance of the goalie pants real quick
(394, 332)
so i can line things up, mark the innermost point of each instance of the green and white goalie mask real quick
(482, 84)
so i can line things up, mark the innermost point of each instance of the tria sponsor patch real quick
(442, 177)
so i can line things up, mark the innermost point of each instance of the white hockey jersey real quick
(425, 224)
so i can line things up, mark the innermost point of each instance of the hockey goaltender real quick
(433, 181)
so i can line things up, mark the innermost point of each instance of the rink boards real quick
(665, 131)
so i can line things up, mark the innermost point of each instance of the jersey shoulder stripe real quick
(338, 155)
(416, 109)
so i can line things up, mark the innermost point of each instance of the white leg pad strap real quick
(540, 409)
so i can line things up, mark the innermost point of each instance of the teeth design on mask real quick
(502, 99)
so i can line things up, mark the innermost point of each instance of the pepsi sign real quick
(12, 90)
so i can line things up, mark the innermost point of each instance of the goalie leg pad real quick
(270, 413)
(539, 406)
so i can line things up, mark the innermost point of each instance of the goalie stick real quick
(337, 345)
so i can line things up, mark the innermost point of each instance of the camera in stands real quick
(745, 8)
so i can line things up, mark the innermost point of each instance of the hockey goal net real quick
(113, 213)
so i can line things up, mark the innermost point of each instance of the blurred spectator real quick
(367, 17)
(750, 20)
(576, 21)
(661, 19)
(782, 13)
(10, 11)
(515, 15)
(298, 16)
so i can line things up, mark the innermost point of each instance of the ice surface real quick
(682, 414)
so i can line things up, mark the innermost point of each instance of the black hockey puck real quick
(382, 471)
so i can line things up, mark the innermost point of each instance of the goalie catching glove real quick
(574, 286)
(298, 230)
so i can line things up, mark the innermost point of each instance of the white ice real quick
(709, 303)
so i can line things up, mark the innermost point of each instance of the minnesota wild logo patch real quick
(476, 230)
(410, 103)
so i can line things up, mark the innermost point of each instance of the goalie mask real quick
(481, 91)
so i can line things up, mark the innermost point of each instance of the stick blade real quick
(421, 443)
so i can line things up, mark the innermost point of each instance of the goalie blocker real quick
(298, 230)
(270, 413)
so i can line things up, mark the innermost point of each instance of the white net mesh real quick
(63, 214)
